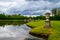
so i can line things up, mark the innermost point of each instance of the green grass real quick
(36, 24)
(38, 27)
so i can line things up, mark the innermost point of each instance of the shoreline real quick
(38, 30)
(41, 35)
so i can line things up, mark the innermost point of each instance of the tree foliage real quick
(56, 11)
(12, 17)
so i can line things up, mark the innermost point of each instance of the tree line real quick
(55, 16)
(12, 17)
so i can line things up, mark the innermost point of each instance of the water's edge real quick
(16, 32)
(39, 35)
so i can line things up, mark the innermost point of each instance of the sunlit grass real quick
(38, 27)
(36, 23)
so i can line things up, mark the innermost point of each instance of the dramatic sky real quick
(27, 7)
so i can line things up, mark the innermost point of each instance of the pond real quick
(15, 31)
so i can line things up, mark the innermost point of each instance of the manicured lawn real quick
(38, 28)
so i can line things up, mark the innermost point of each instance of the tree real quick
(54, 11)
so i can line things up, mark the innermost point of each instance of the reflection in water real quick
(2, 23)
(33, 39)
(16, 32)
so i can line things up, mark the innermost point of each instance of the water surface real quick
(16, 32)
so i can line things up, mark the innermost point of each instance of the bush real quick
(57, 17)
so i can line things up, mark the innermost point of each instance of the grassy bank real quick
(38, 28)
(11, 20)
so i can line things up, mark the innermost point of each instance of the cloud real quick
(30, 7)
(25, 7)
(45, 0)
(6, 5)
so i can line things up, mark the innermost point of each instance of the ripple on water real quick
(10, 32)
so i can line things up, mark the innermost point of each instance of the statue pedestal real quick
(47, 24)
(47, 21)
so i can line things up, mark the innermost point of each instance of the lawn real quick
(38, 28)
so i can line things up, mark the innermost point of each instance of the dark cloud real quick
(45, 0)
(32, 0)
(52, 0)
